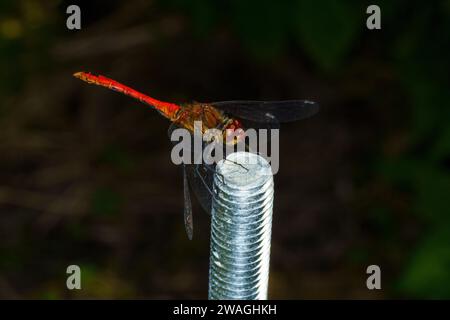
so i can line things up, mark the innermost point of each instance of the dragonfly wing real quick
(188, 222)
(269, 111)
(199, 176)
(201, 179)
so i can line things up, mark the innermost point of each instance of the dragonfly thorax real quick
(210, 118)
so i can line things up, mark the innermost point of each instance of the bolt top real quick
(244, 170)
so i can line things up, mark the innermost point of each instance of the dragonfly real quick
(226, 116)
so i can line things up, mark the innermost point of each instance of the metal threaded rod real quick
(241, 228)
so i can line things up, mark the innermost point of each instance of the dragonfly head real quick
(233, 132)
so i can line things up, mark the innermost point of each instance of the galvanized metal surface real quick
(241, 226)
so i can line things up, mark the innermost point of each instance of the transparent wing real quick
(199, 177)
(188, 222)
(269, 111)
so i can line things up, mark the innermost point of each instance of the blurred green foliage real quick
(327, 30)
(27, 29)
(117, 156)
(421, 55)
(427, 274)
(105, 202)
(414, 42)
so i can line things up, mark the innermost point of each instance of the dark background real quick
(86, 176)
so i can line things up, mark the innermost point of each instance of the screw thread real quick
(241, 228)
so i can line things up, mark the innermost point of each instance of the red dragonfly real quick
(215, 115)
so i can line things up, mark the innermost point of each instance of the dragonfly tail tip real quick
(80, 75)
